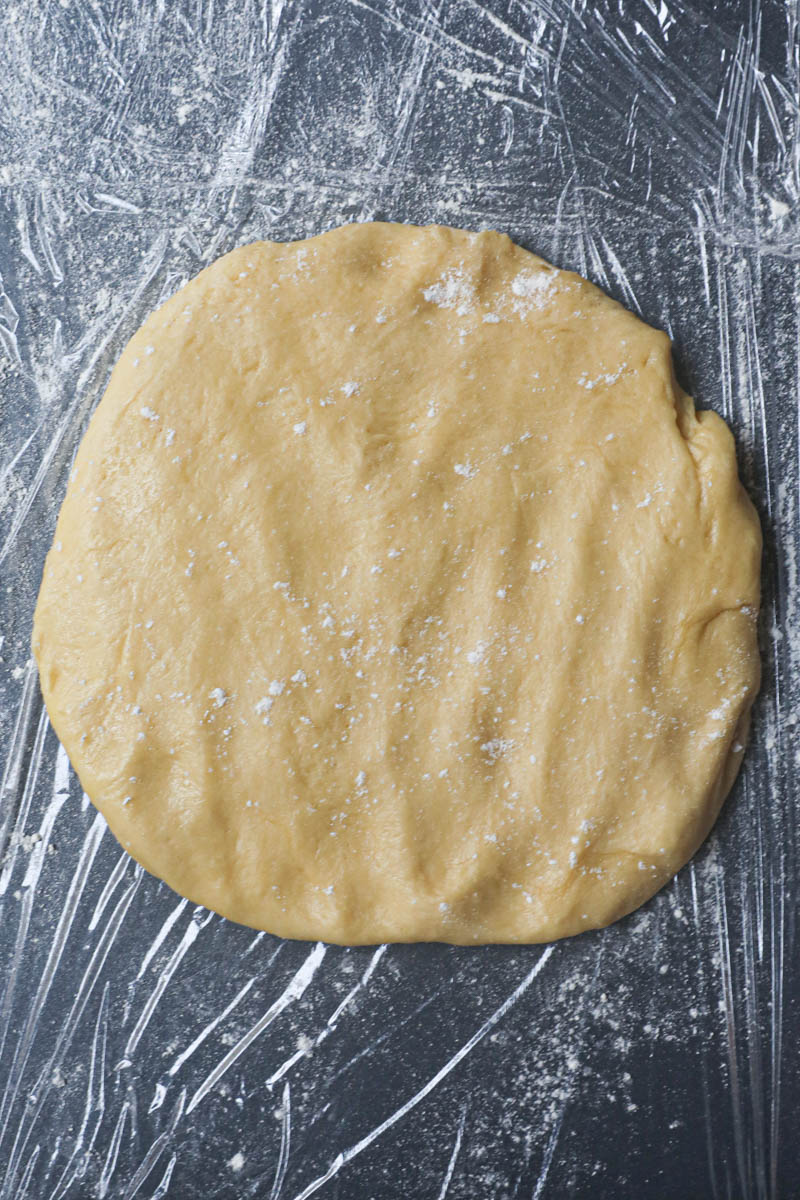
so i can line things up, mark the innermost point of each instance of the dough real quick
(399, 593)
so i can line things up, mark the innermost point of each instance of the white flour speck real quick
(453, 290)
(496, 748)
(477, 655)
(605, 377)
(533, 289)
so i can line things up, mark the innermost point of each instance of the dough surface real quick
(399, 593)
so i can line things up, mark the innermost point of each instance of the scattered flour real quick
(453, 290)
(497, 747)
(533, 289)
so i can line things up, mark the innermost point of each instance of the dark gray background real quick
(151, 1049)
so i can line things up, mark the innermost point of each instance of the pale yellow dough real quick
(399, 593)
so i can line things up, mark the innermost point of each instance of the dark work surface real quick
(151, 1049)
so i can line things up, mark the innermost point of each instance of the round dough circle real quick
(399, 593)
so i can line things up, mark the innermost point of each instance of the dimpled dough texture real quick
(399, 593)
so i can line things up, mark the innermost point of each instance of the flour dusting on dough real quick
(454, 290)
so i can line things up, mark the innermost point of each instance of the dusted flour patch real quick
(533, 289)
(454, 290)
(436, 621)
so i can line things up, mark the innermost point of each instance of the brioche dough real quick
(399, 593)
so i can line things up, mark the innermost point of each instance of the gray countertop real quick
(152, 1049)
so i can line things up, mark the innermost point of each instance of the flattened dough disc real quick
(399, 593)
